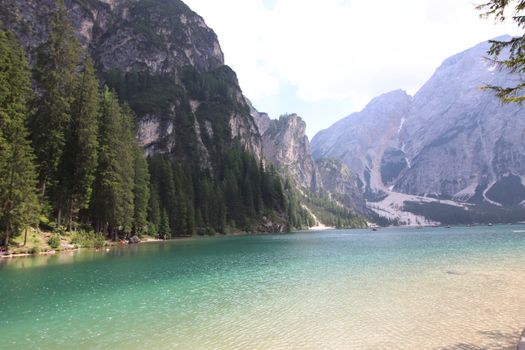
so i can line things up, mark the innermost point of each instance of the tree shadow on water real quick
(493, 340)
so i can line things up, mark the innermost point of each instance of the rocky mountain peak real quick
(286, 145)
(158, 36)
(361, 139)
(162, 59)
(452, 140)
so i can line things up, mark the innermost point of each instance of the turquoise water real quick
(399, 288)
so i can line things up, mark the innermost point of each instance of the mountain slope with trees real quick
(133, 126)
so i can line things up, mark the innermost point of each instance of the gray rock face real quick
(361, 139)
(159, 36)
(262, 119)
(452, 140)
(342, 185)
(286, 145)
(156, 37)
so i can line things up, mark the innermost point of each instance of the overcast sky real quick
(324, 59)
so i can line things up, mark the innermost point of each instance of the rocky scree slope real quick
(452, 140)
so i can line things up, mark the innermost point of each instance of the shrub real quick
(34, 250)
(54, 241)
(44, 223)
(88, 239)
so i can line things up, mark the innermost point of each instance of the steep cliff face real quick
(160, 57)
(474, 142)
(362, 139)
(286, 145)
(452, 140)
(159, 36)
(342, 185)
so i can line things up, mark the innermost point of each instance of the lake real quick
(398, 288)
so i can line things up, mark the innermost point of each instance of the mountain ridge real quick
(451, 141)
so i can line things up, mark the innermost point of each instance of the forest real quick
(70, 161)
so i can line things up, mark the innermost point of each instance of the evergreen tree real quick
(112, 204)
(515, 61)
(18, 198)
(164, 228)
(79, 161)
(141, 192)
(57, 61)
(127, 146)
(154, 211)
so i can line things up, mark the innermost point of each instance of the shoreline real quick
(123, 243)
(110, 244)
(51, 252)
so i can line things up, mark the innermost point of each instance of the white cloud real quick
(342, 50)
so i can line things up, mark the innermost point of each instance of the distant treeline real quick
(453, 215)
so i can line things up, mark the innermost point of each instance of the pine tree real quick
(233, 198)
(57, 61)
(79, 161)
(112, 204)
(515, 61)
(164, 228)
(18, 197)
(154, 211)
(126, 162)
(141, 192)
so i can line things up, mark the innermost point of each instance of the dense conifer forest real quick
(69, 159)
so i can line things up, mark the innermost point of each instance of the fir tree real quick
(141, 192)
(164, 228)
(79, 161)
(154, 211)
(57, 61)
(18, 198)
(515, 61)
(112, 204)
(126, 138)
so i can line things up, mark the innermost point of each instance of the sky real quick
(325, 59)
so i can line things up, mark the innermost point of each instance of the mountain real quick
(452, 140)
(162, 58)
(343, 186)
(323, 183)
(193, 122)
(361, 140)
(286, 145)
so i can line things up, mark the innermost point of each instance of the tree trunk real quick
(59, 217)
(70, 216)
(42, 186)
(25, 237)
(7, 231)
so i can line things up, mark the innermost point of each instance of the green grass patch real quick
(88, 239)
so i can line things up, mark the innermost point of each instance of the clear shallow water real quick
(435, 288)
